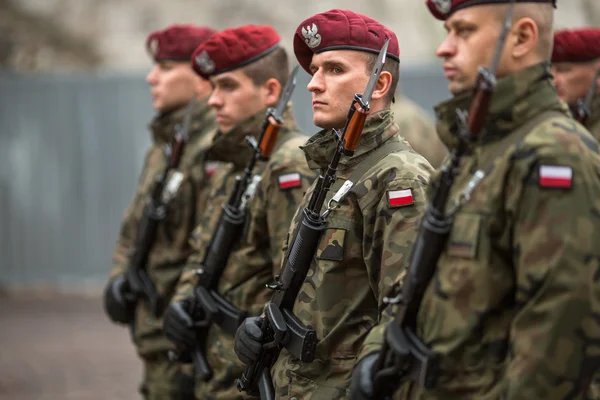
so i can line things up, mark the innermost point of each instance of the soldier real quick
(576, 69)
(369, 235)
(419, 130)
(513, 306)
(173, 85)
(248, 69)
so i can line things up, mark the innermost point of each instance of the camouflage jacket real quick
(514, 304)
(366, 241)
(419, 130)
(171, 248)
(258, 255)
(593, 123)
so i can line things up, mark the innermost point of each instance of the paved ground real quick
(62, 347)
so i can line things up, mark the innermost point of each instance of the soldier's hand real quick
(178, 324)
(248, 340)
(117, 305)
(361, 387)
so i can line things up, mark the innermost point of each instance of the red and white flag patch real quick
(399, 198)
(210, 167)
(287, 181)
(556, 176)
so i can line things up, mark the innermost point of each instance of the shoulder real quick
(288, 154)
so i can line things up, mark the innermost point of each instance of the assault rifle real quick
(139, 286)
(403, 355)
(584, 106)
(281, 328)
(211, 307)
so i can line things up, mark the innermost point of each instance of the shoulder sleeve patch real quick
(555, 176)
(210, 167)
(400, 198)
(289, 181)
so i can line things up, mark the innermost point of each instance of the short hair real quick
(543, 16)
(391, 66)
(274, 65)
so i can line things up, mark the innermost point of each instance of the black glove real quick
(361, 387)
(118, 303)
(178, 324)
(248, 340)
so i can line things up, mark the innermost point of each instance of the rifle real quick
(403, 355)
(584, 106)
(211, 307)
(138, 282)
(280, 327)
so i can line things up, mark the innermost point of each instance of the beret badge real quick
(311, 36)
(204, 62)
(443, 6)
(153, 47)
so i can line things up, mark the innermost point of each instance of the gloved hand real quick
(248, 340)
(118, 304)
(178, 324)
(361, 387)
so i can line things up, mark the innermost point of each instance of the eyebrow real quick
(326, 64)
(223, 80)
(458, 22)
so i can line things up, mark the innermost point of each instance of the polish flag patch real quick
(210, 167)
(556, 176)
(288, 181)
(399, 198)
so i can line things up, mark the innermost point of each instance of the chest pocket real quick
(341, 232)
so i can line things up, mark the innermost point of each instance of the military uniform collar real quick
(517, 98)
(320, 148)
(164, 126)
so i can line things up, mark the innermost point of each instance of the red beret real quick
(176, 42)
(234, 48)
(576, 45)
(442, 9)
(341, 30)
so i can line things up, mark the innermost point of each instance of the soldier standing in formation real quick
(173, 86)
(513, 307)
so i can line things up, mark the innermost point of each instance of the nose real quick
(316, 83)
(447, 48)
(215, 99)
(152, 77)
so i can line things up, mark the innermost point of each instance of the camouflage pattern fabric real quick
(514, 305)
(419, 130)
(593, 122)
(362, 250)
(171, 249)
(165, 380)
(258, 255)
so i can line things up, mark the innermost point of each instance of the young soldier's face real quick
(337, 76)
(236, 98)
(172, 85)
(573, 80)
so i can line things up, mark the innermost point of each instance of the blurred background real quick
(74, 108)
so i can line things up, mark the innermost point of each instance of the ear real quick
(382, 86)
(525, 36)
(272, 90)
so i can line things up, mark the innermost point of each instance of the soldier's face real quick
(470, 42)
(235, 98)
(172, 85)
(573, 80)
(337, 76)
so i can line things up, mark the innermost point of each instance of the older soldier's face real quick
(469, 44)
(172, 85)
(573, 80)
(337, 76)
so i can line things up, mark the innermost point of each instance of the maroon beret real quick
(576, 45)
(442, 9)
(176, 42)
(234, 48)
(341, 30)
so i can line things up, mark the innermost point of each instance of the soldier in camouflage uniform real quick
(513, 308)
(369, 235)
(248, 69)
(419, 130)
(173, 84)
(575, 64)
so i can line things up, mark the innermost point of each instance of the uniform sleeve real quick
(556, 330)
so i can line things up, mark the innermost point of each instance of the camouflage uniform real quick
(171, 249)
(252, 265)
(419, 130)
(514, 304)
(593, 122)
(361, 251)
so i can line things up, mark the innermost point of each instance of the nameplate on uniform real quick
(556, 176)
(289, 181)
(400, 198)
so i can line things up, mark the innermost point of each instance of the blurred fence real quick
(71, 148)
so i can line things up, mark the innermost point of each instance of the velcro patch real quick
(400, 198)
(556, 176)
(288, 181)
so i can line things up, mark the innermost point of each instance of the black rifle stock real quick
(281, 328)
(403, 355)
